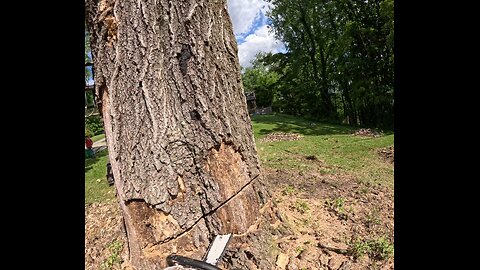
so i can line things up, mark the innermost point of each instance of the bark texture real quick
(179, 136)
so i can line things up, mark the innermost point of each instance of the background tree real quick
(179, 136)
(260, 80)
(339, 59)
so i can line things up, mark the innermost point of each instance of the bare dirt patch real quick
(336, 221)
(387, 154)
(280, 136)
(104, 237)
(366, 132)
(325, 221)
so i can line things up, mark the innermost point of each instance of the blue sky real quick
(259, 21)
(250, 29)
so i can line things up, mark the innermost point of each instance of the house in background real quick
(252, 105)
(251, 102)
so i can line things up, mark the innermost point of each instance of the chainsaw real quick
(210, 259)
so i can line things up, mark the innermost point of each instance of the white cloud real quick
(247, 15)
(243, 13)
(262, 40)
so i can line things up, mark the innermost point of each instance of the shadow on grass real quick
(286, 123)
(89, 162)
(388, 132)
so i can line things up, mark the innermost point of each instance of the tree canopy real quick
(338, 64)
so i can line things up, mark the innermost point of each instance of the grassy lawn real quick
(98, 137)
(96, 186)
(333, 145)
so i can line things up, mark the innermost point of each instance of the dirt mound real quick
(280, 136)
(366, 132)
(387, 154)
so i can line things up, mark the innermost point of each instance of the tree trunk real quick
(327, 108)
(179, 136)
(349, 104)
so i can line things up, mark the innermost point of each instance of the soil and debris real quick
(367, 132)
(387, 154)
(336, 223)
(329, 222)
(104, 237)
(281, 136)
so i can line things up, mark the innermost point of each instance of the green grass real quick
(378, 248)
(264, 124)
(336, 149)
(333, 145)
(98, 137)
(289, 190)
(96, 186)
(301, 206)
(115, 247)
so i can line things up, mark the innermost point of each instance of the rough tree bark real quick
(179, 136)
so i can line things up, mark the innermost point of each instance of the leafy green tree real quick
(339, 60)
(260, 80)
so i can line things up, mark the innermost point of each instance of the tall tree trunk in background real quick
(348, 106)
(326, 101)
(179, 136)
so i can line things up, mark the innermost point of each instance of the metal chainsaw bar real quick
(210, 260)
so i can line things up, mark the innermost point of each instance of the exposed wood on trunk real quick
(179, 136)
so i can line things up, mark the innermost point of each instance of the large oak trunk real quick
(179, 136)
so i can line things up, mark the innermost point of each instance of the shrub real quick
(88, 133)
(94, 124)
